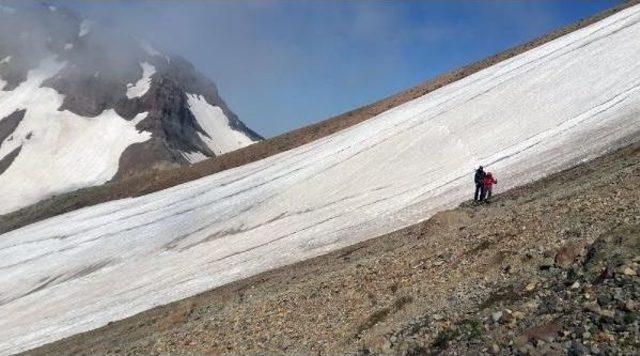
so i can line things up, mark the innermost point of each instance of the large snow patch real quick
(220, 136)
(61, 151)
(142, 86)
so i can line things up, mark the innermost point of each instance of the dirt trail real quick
(158, 180)
(548, 267)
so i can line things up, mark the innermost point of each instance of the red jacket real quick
(488, 181)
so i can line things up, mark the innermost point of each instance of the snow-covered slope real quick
(57, 150)
(215, 124)
(547, 109)
(81, 105)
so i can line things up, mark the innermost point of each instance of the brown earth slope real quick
(158, 180)
(551, 267)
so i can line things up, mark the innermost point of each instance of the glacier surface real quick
(550, 108)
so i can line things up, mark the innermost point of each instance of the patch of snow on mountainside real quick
(220, 137)
(529, 116)
(85, 27)
(142, 86)
(194, 157)
(58, 150)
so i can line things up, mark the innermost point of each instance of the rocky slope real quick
(81, 105)
(548, 268)
(147, 183)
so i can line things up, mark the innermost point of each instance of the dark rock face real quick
(100, 65)
(6, 161)
(86, 96)
(174, 130)
(150, 155)
(181, 71)
(9, 124)
(14, 76)
(170, 118)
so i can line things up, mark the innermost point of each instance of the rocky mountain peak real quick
(81, 104)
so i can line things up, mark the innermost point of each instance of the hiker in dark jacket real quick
(479, 180)
(488, 183)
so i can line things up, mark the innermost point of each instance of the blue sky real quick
(286, 64)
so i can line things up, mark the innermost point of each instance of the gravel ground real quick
(547, 268)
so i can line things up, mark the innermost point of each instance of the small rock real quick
(578, 349)
(507, 317)
(628, 271)
(591, 306)
(607, 273)
(568, 254)
(546, 332)
(606, 313)
(530, 287)
(495, 349)
(595, 308)
(575, 285)
(520, 341)
(603, 336)
(630, 305)
(496, 316)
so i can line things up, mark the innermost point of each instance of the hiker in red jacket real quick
(488, 182)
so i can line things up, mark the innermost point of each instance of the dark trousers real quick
(479, 195)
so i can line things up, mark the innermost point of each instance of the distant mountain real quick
(81, 105)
